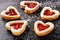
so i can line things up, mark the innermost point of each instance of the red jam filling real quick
(16, 25)
(42, 27)
(48, 13)
(11, 12)
(31, 5)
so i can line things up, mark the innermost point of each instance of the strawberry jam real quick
(11, 12)
(31, 5)
(16, 25)
(48, 13)
(42, 27)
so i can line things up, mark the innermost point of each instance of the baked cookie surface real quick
(10, 13)
(17, 27)
(42, 29)
(48, 14)
(29, 6)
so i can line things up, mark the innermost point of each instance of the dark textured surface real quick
(29, 33)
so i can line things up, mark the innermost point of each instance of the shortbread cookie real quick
(17, 27)
(48, 14)
(42, 29)
(29, 6)
(10, 13)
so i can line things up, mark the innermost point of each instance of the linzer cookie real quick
(10, 13)
(17, 27)
(48, 14)
(29, 6)
(42, 29)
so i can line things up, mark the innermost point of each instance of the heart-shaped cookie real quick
(42, 29)
(10, 13)
(17, 27)
(48, 14)
(29, 6)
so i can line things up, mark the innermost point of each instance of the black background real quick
(29, 33)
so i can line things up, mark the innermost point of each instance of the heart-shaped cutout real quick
(17, 27)
(42, 29)
(48, 14)
(29, 6)
(10, 13)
